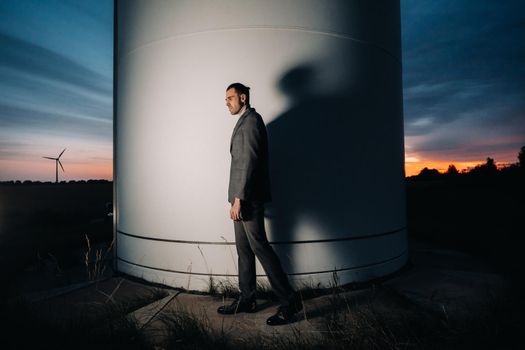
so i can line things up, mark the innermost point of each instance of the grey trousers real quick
(251, 242)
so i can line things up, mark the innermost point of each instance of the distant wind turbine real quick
(57, 161)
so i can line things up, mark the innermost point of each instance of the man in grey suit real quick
(248, 190)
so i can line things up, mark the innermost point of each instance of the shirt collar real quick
(243, 110)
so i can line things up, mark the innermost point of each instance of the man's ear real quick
(243, 98)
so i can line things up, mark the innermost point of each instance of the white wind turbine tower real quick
(57, 161)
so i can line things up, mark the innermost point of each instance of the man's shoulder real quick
(253, 116)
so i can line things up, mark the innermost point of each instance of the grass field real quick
(482, 216)
(49, 221)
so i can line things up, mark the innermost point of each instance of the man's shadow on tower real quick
(315, 154)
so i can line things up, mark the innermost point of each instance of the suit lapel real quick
(238, 124)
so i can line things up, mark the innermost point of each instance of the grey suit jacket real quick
(249, 175)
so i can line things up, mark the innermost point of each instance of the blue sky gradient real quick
(56, 72)
(464, 79)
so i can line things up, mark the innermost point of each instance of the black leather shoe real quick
(238, 306)
(285, 314)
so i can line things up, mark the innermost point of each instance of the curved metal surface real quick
(325, 76)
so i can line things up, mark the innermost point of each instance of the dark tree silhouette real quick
(521, 157)
(452, 171)
(427, 173)
(488, 168)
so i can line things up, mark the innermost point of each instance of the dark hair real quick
(240, 89)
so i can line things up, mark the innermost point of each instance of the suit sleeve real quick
(249, 157)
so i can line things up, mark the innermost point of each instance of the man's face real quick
(234, 101)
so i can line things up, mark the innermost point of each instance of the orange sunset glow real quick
(43, 170)
(415, 163)
(414, 167)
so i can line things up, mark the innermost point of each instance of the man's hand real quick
(235, 211)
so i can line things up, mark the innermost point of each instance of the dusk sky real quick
(463, 76)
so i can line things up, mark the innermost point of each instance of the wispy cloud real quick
(464, 78)
(55, 86)
(23, 56)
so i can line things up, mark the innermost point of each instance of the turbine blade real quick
(61, 153)
(49, 158)
(61, 165)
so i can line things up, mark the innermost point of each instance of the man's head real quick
(237, 96)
